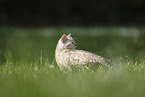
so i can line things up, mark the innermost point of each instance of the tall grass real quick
(30, 70)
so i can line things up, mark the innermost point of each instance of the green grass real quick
(28, 67)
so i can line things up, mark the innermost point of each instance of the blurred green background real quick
(28, 44)
(28, 67)
(30, 30)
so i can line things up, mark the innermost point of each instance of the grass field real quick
(28, 67)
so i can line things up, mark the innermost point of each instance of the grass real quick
(28, 67)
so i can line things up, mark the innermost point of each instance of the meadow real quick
(28, 67)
